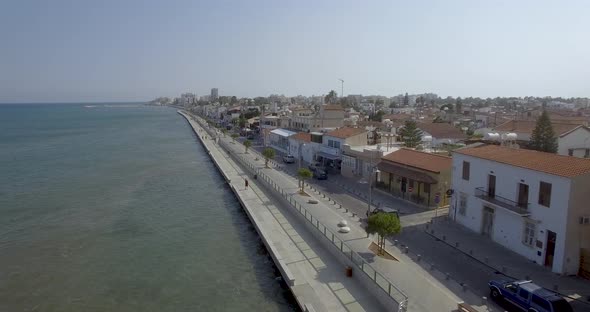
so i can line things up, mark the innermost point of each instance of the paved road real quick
(422, 278)
(461, 267)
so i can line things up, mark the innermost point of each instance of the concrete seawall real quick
(285, 272)
(302, 258)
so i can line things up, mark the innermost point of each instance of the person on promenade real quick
(246, 183)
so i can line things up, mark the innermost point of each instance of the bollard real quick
(486, 260)
(419, 258)
(395, 242)
(464, 286)
(484, 301)
(471, 252)
(457, 245)
(432, 267)
(432, 232)
(526, 277)
(444, 238)
(447, 276)
(407, 249)
(504, 269)
(427, 226)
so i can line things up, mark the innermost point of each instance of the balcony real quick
(515, 207)
(330, 150)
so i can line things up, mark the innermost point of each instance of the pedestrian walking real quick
(246, 183)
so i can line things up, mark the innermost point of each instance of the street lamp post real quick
(376, 172)
(300, 153)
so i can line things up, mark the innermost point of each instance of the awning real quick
(406, 172)
(283, 132)
(328, 156)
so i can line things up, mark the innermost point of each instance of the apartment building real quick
(533, 203)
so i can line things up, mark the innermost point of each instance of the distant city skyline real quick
(63, 51)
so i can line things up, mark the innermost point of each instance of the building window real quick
(528, 236)
(587, 153)
(466, 170)
(462, 203)
(545, 194)
(570, 152)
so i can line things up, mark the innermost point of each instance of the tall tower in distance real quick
(214, 94)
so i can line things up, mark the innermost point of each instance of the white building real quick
(305, 146)
(279, 139)
(333, 143)
(533, 203)
(572, 139)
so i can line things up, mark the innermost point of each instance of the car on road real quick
(288, 159)
(316, 166)
(528, 296)
(320, 174)
(385, 209)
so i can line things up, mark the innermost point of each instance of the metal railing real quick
(519, 208)
(382, 282)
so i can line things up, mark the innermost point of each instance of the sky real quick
(135, 50)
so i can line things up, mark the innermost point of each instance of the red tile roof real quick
(401, 117)
(420, 160)
(346, 132)
(565, 166)
(442, 130)
(302, 136)
(527, 126)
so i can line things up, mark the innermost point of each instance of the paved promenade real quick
(316, 277)
(427, 290)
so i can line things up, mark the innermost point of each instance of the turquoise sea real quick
(107, 207)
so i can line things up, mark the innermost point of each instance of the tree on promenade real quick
(247, 145)
(543, 138)
(410, 134)
(268, 153)
(234, 136)
(303, 174)
(384, 225)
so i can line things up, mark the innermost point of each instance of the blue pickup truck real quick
(528, 296)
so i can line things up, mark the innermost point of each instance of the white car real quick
(289, 159)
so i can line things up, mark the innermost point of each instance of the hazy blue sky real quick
(136, 50)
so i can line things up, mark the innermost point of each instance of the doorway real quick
(523, 195)
(550, 250)
(491, 186)
(487, 226)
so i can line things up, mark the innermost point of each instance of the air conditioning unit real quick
(585, 220)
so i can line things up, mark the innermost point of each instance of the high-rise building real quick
(214, 94)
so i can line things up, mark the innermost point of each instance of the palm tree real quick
(303, 174)
(247, 145)
(331, 97)
(268, 153)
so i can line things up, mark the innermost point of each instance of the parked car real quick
(528, 296)
(320, 174)
(288, 159)
(315, 166)
(385, 209)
